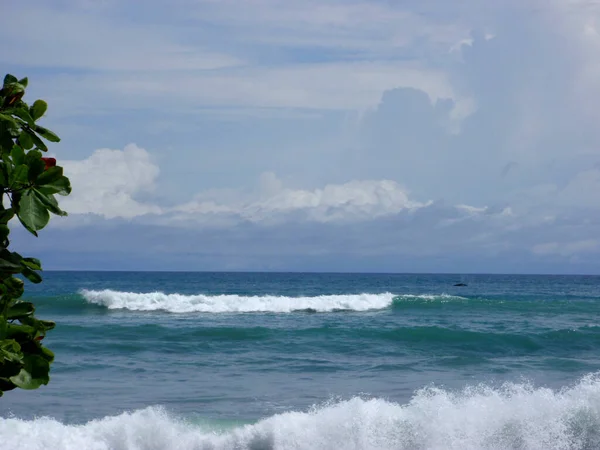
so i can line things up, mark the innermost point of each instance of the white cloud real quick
(351, 201)
(107, 182)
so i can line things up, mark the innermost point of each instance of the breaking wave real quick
(516, 416)
(179, 303)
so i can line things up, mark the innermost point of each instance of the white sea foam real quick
(481, 418)
(178, 303)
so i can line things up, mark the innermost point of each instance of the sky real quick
(330, 135)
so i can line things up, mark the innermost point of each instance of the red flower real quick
(50, 162)
(39, 338)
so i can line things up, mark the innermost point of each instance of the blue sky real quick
(318, 135)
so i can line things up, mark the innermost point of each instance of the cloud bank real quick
(322, 135)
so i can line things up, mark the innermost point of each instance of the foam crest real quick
(179, 303)
(479, 418)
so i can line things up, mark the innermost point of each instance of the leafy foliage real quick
(28, 185)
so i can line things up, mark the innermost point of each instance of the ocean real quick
(291, 361)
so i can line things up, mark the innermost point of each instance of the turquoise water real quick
(314, 361)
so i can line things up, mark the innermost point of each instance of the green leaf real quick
(47, 134)
(24, 81)
(3, 177)
(18, 155)
(10, 349)
(4, 232)
(20, 309)
(32, 213)
(50, 203)
(38, 142)
(47, 325)
(32, 263)
(19, 176)
(23, 113)
(31, 275)
(11, 358)
(34, 374)
(62, 186)
(20, 332)
(8, 79)
(36, 164)
(38, 109)
(9, 267)
(47, 354)
(12, 287)
(9, 119)
(49, 176)
(9, 263)
(6, 215)
(6, 134)
(25, 140)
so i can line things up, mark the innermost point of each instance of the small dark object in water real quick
(460, 284)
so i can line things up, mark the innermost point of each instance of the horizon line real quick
(302, 272)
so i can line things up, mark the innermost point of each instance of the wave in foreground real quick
(514, 417)
(179, 303)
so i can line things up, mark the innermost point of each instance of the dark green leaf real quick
(8, 119)
(50, 203)
(49, 176)
(32, 263)
(13, 286)
(25, 140)
(6, 215)
(47, 325)
(38, 109)
(24, 82)
(3, 177)
(6, 385)
(38, 142)
(21, 309)
(34, 374)
(6, 134)
(32, 212)
(23, 113)
(18, 155)
(9, 267)
(47, 134)
(38, 325)
(62, 186)
(20, 332)
(8, 79)
(31, 275)
(47, 354)
(4, 232)
(36, 164)
(9, 263)
(10, 349)
(19, 176)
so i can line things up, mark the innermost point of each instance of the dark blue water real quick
(314, 361)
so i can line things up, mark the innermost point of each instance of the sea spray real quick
(515, 416)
